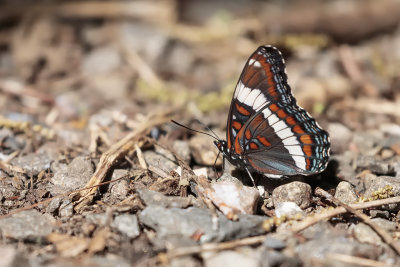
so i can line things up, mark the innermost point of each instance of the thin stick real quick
(355, 260)
(307, 222)
(114, 154)
(380, 231)
(183, 251)
(258, 239)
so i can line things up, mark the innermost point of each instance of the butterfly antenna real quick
(205, 126)
(193, 130)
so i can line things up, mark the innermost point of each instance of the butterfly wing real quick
(266, 126)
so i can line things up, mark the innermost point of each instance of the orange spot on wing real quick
(306, 139)
(263, 140)
(290, 120)
(273, 107)
(253, 146)
(237, 125)
(307, 150)
(281, 113)
(308, 163)
(248, 134)
(270, 78)
(242, 110)
(297, 129)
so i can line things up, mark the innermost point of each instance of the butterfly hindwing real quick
(266, 127)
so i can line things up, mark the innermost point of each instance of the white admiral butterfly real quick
(267, 131)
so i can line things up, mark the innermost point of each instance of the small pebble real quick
(297, 192)
(345, 193)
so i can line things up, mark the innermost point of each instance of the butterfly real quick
(267, 132)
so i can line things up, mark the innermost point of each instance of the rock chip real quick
(374, 183)
(385, 224)
(10, 257)
(320, 248)
(127, 224)
(27, 225)
(236, 196)
(204, 152)
(160, 157)
(346, 193)
(364, 234)
(275, 258)
(120, 188)
(33, 163)
(274, 243)
(187, 222)
(373, 164)
(340, 137)
(287, 209)
(72, 176)
(182, 149)
(297, 192)
(101, 60)
(151, 198)
(379, 214)
(231, 258)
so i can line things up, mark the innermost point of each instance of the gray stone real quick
(340, 137)
(187, 261)
(204, 152)
(274, 243)
(10, 257)
(33, 163)
(287, 209)
(29, 224)
(319, 230)
(149, 41)
(230, 196)
(379, 214)
(101, 60)
(120, 188)
(373, 164)
(109, 260)
(346, 193)
(320, 248)
(66, 208)
(231, 258)
(364, 234)
(127, 224)
(297, 192)
(387, 225)
(345, 170)
(182, 149)
(72, 176)
(53, 205)
(373, 183)
(151, 198)
(161, 157)
(269, 258)
(186, 222)
(97, 218)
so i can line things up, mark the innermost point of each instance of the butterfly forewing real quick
(267, 128)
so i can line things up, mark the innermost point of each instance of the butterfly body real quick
(267, 131)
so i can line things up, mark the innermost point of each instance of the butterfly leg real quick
(251, 177)
(215, 165)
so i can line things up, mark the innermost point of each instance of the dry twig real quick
(114, 154)
(296, 228)
(383, 234)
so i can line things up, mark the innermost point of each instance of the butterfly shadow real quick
(326, 180)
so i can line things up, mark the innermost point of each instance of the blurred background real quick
(65, 64)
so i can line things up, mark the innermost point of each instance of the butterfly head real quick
(221, 145)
